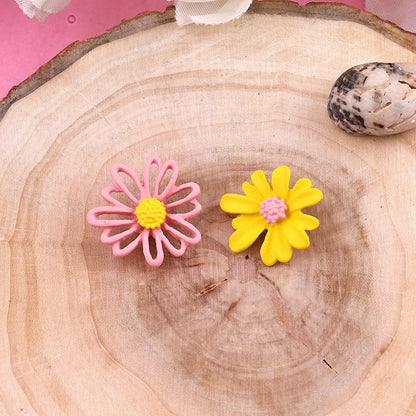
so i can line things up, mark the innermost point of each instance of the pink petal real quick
(166, 193)
(121, 252)
(191, 197)
(106, 194)
(147, 170)
(157, 235)
(192, 213)
(121, 187)
(93, 214)
(106, 238)
(184, 239)
(171, 248)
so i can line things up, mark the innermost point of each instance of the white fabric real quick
(209, 12)
(41, 8)
(401, 12)
(187, 11)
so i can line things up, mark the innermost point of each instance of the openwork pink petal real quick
(121, 252)
(107, 192)
(92, 216)
(171, 248)
(190, 198)
(180, 220)
(192, 213)
(106, 238)
(153, 160)
(170, 187)
(121, 186)
(157, 236)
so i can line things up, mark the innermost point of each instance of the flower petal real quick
(243, 220)
(295, 236)
(300, 185)
(170, 187)
(239, 204)
(243, 238)
(121, 252)
(283, 248)
(268, 248)
(171, 248)
(194, 192)
(280, 181)
(93, 214)
(121, 186)
(304, 199)
(192, 213)
(152, 160)
(178, 219)
(262, 184)
(106, 238)
(106, 193)
(303, 221)
(157, 236)
(252, 192)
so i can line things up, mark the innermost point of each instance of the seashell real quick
(375, 99)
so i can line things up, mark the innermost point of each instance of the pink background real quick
(26, 44)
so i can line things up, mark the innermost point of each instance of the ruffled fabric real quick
(41, 9)
(209, 12)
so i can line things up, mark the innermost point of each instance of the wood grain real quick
(212, 333)
(327, 11)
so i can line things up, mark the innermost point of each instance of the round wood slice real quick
(332, 332)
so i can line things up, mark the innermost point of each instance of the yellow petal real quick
(282, 246)
(262, 184)
(239, 204)
(268, 248)
(280, 181)
(295, 236)
(243, 220)
(243, 238)
(300, 185)
(303, 199)
(252, 192)
(303, 221)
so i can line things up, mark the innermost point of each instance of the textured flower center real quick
(273, 209)
(150, 213)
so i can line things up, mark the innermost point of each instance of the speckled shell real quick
(375, 99)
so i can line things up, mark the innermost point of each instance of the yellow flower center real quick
(150, 213)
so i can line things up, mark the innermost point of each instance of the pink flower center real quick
(273, 209)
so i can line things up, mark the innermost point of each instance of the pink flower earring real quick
(149, 214)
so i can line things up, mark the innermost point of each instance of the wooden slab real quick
(330, 333)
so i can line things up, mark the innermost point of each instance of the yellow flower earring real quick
(275, 208)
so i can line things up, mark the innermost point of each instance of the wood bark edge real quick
(147, 20)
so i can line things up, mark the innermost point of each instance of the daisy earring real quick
(149, 213)
(274, 208)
